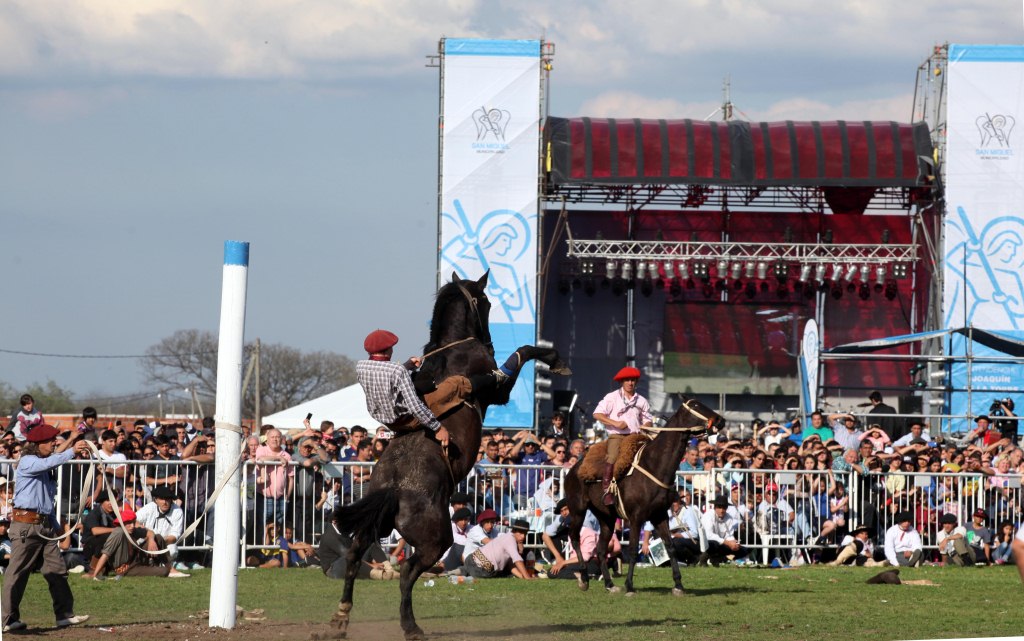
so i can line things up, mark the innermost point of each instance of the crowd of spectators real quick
(798, 490)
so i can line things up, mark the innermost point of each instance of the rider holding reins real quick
(623, 412)
(391, 397)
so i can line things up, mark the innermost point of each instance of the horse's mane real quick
(445, 296)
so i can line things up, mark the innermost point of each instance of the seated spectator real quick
(556, 534)
(333, 553)
(124, 557)
(569, 566)
(300, 554)
(5, 545)
(482, 533)
(684, 524)
(903, 542)
(164, 519)
(855, 548)
(271, 555)
(1004, 543)
(952, 542)
(979, 537)
(502, 555)
(97, 526)
(452, 559)
(720, 531)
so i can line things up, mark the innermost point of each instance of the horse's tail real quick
(370, 516)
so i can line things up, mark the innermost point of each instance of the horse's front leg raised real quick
(666, 536)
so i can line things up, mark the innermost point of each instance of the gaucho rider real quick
(623, 412)
(391, 396)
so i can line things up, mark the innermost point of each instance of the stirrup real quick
(500, 377)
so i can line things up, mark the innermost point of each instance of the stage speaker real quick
(909, 405)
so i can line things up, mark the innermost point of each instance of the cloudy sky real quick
(135, 137)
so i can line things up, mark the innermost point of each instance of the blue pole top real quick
(236, 252)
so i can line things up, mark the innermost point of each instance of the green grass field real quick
(722, 603)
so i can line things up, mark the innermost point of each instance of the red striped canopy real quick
(839, 153)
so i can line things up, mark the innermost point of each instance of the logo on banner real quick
(985, 273)
(491, 127)
(994, 132)
(500, 242)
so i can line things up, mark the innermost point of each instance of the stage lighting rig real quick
(899, 270)
(609, 269)
(890, 290)
(781, 271)
(819, 273)
(748, 269)
(627, 272)
(805, 272)
(762, 270)
(865, 273)
(851, 272)
(684, 270)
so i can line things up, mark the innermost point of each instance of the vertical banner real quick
(984, 228)
(490, 141)
(810, 346)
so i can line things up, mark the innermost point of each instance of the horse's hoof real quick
(615, 589)
(678, 592)
(340, 619)
(415, 634)
(631, 593)
(561, 368)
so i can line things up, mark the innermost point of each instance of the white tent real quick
(346, 407)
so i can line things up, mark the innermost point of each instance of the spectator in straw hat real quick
(34, 525)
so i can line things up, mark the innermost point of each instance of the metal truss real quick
(803, 253)
(723, 197)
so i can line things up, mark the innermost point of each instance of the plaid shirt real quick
(390, 393)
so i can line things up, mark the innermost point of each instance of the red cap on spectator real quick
(379, 340)
(127, 515)
(771, 487)
(41, 433)
(627, 373)
(487, 515)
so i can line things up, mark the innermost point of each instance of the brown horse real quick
(644, 499)
(413, 481)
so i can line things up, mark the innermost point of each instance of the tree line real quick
(187, 359)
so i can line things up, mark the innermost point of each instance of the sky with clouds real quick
(135, 137)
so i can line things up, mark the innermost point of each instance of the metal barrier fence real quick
(777, 510)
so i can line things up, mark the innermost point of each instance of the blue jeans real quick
(273, 509)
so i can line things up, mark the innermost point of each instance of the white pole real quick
(228, 417)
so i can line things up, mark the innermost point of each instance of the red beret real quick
(627, 372)
(41, 433)
(379, 340)
(487, 515)
(127, 515)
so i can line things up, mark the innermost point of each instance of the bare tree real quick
(287, 375)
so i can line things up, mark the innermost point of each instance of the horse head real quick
(461, 310)
(694, 414)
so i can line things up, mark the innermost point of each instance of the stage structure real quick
(699, 251)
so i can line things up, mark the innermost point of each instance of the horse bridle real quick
(709, 420)
(474, 306)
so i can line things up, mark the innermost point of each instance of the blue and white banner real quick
(490, 141)
(984, 229)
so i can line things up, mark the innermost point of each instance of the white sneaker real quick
(78, 569)
(181, 567)
(197, 566)
(75, 620)
(14, 626)
(174, 574)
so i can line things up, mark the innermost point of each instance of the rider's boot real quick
(606, 483)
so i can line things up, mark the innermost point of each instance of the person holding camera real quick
(1006, 425)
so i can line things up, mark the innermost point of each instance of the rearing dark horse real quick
(412, 483)
(646, 494)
